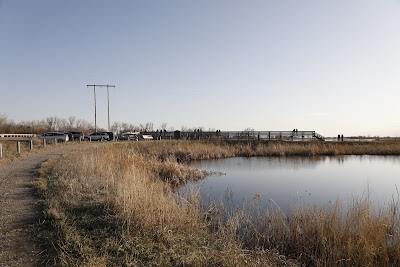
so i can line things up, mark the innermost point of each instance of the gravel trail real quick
(19, 210)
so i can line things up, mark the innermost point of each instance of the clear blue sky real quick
(329, 66)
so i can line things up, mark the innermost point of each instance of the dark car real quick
(75, 135)
(103, 136)
(134, 136)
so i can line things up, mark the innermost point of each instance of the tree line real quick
(72, 123)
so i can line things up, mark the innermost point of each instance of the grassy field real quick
(113, 205)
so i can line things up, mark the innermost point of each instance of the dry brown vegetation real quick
(333, 235)
(108, 206)
(9, 149)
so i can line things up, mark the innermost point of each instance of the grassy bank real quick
(108, 206)
(277, 148)
(112, 204)
(9, 149)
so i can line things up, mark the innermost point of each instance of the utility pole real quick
(108, 103)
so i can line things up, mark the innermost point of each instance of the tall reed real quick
(85, 190)
(111, 206)
(332, 235)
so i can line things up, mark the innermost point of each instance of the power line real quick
(108, 103)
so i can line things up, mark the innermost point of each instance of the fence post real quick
(1, 151)
(44, 142)
(31, 145)
(55, 141)
(18, 147)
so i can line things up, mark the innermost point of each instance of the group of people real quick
(340, 137)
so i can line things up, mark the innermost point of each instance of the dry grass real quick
(110, 205)
(358, 235)
(312, 148)
(9, 149)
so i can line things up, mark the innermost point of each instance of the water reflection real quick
(294, 180)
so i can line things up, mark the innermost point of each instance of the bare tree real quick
(62, 124)
(83, 125)
(163, 126)
(125, 127)
(248, 132)
(52, 123)
(3, 122)
(148, 127)
(71, 122)
(116, 127)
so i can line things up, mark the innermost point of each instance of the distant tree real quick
(134, 128)
(163, 126)
(3, 122)
(83, 125)
(148, 127)
(125, 127)
(52, 123)
(71, 122)
(62, 124)
(248, 131)
(116, 127)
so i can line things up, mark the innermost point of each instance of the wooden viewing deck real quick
(254, 135)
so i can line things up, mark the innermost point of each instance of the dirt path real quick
(19, 211)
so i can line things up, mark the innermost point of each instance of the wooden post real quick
(18, 147)
(1, 151)
(31, 145)
(44, 142)
(55, 141)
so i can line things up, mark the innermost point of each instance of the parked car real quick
(75, 135)
(97, 136)
(147, 137)
(60, 137)
(110, 135)
(134, 136)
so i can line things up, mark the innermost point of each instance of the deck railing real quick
(259, 135)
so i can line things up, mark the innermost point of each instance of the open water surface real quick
(299, 180)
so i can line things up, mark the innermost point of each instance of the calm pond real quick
(299, 180)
